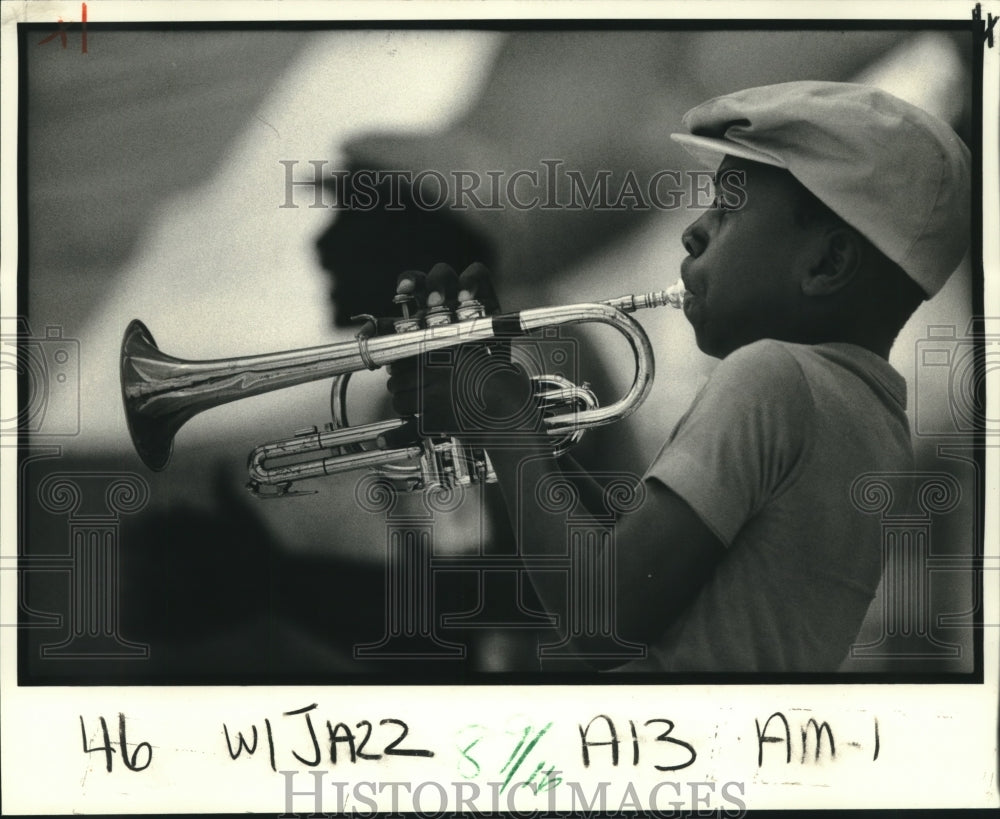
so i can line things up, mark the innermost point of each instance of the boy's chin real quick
(719, 338)
(707, 342)
(717, 347)
(706, 345)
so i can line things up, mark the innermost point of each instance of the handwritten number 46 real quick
(131, 761)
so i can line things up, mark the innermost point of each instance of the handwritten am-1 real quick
(816, 741)
(342, 742)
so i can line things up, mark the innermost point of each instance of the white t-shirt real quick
(766, 456)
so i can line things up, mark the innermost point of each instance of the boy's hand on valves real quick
(472, 390)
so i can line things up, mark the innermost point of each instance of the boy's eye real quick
(722, 203)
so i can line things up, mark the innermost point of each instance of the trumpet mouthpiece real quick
(675, 294)
(672, 296)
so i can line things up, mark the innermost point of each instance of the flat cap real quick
(895, 173)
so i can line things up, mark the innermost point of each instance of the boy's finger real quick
(475, 283)
(403, 436)
(401, 379)
(405, 404)
(413, 283)
(441, 285)
(413, 372)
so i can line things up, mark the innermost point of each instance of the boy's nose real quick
(694, 239)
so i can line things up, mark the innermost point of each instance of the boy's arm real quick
(664, 552)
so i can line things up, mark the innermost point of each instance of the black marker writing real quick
(611, 739)
(817, 740)
(312, 735)
(131, 761)
(345, 744)
(242, 745)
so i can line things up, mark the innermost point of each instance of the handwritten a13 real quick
(601, 732)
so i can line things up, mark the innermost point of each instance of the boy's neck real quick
(817, 335)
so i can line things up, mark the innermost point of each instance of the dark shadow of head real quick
(378, 232)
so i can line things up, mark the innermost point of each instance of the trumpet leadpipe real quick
(161, 393)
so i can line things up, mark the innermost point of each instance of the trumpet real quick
(161, 393)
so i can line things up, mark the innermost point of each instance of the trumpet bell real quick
(151, 429)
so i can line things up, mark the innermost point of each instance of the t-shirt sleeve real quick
(741, 441)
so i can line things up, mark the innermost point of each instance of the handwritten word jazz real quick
(343, 742)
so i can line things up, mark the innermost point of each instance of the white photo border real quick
(903, 746)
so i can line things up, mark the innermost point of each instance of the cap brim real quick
(709, 150)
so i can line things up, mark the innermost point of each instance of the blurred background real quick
(155, 187)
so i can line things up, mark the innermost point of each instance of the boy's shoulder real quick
(765, 349)
(767, 364)
(771, 355)
(763, 380)
(778, 369)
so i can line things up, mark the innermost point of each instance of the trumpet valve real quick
(436, 316)
(407, 322)
(470, 309)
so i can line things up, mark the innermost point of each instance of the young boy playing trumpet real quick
(747, 553)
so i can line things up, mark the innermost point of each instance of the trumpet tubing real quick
(161, 393)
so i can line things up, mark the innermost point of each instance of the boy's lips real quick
(691, 296)
(685, 278)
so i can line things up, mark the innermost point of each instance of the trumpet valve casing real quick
(436, 316)
(469, 309)
(407, 322)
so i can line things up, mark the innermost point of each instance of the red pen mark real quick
(60, 32)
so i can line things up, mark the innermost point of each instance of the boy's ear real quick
(838, 263)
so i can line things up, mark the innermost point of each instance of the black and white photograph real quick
(371, 374)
